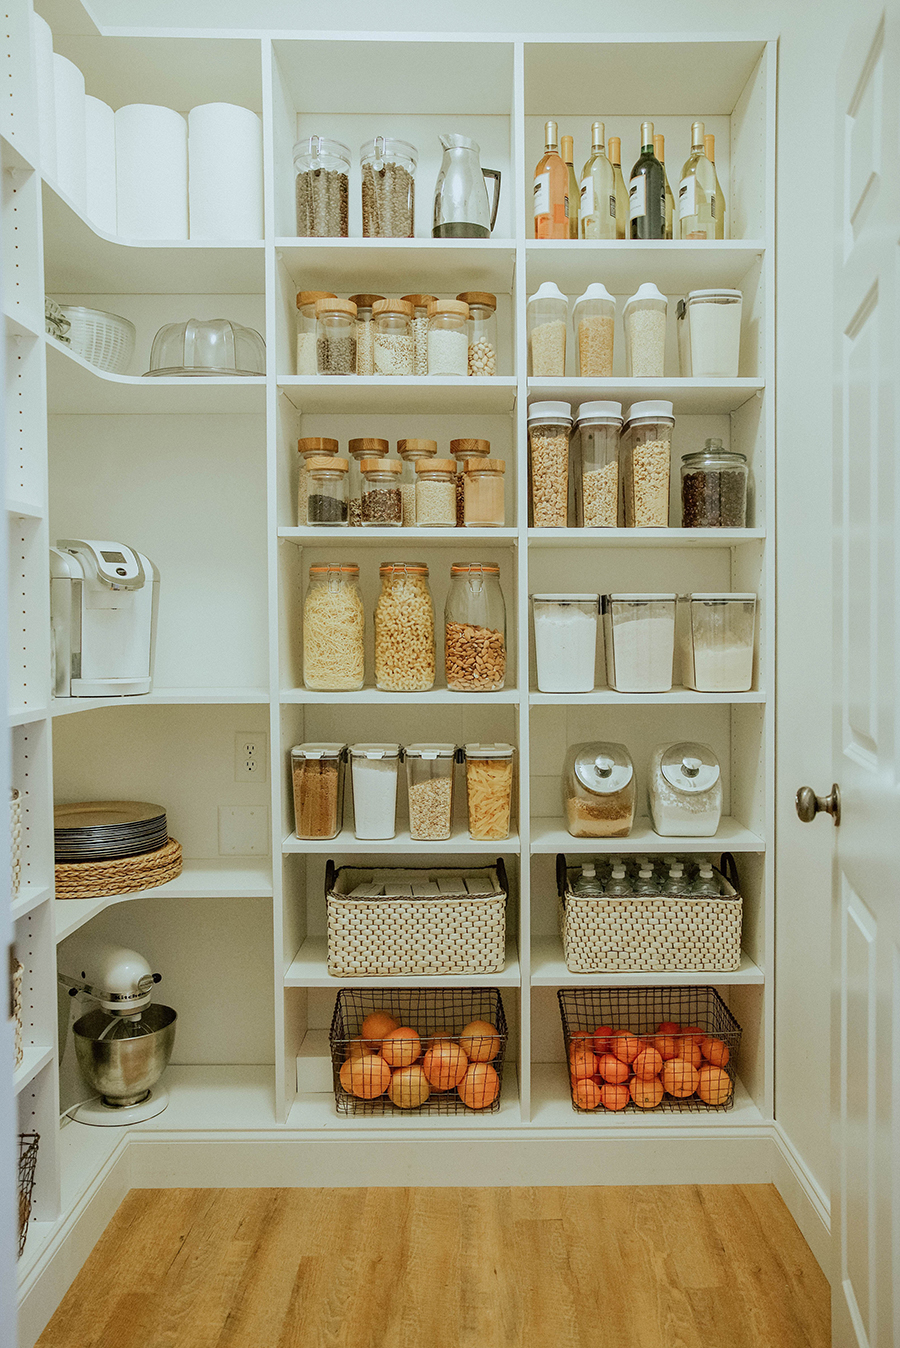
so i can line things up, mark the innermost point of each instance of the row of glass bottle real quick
(646, 877)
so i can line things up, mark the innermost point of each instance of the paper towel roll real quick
(46, 100)
(68, 91)
(100, 140)
(225, 165)
(151, 172)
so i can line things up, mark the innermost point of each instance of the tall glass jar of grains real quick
(321, 178)
(463, 451)
(364, 447)
(388, 188)
(365, 332)
(394, 351)
(448, 340)
(598, 426)
(647, 451)
(549, 426)
(382, 504)
(404, 629)
(483, 497)
(310, 447)
(411, 452)
(306, 328)
(594, 320)
(420, 305)
(546, 313)
(334, 623)
(335, 337)
(475, 629)
(482, 331)
(436, 493)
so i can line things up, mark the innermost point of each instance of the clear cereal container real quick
(639, 635)
(685, 791)
(546, 313)
(429, 784)
(644, 317)
(598, 427)
(475, 629)
(594, 320)
(365, 332)
(321, 187)
(334, 624)
(317, 775)
(549, 428)
(335, 337)
(489, 782)
(388, 188)
(482, 304)
(306, 328)
(645, 462)
(598, 790)
(373, 770)
(310, 447)
(394, 348)
(404, 629)
(718, 640)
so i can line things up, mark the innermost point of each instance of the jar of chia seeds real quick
(394, 350)
(335, 337)
(382, 503)
(365, 332)
(714, 488)
(326, 503)
(306, 328)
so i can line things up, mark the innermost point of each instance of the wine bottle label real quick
(637, 198)
(612, 205)
(542, 194)
(687, 197)
(587, 196)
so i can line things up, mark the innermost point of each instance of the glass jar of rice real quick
(334, 624)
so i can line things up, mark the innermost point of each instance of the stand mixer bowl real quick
(123, 1059)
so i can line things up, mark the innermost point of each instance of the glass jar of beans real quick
(475, 629)
(362, 447)
(482, 331)
(382, 502)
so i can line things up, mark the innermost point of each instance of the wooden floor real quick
(676, 1267)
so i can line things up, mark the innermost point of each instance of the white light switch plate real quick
(243, 830)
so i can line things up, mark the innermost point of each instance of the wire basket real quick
(28, 1150)
(102, 339)
(705, 1020)
(430, 1012)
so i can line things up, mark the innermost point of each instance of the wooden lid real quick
(461, 449)
(448, 307)
(317, 444)
(328, 464)
(420, 301)
(335, 306)
(380, 466)
(367, 445)
(436, 466)
(310, 296)
(393, 307)
(482, 298)
(416, 449)
(365, 301)
(484, 466)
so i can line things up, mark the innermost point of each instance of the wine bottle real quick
(647, 191)
(659, 149)
(697, 192)
(573, 195)
(709, 145)
(551, 190)
(597, 213)
(615, 153)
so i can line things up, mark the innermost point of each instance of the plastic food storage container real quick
(546, 314)
(685, 791)
(388, 169)
(420, 305)
(436, 493)
(647, 452)
(373, 772)
(565, 641)
(714, 488)
(404, 629)
(483, 493)
(310, 447)
(475, 629)
(489, 778)
(429, 784)
(362, 447)
(594, 321)
(365, 332)
(466, 451)
(718, 639)
(482, 357)
(448, 339)
(326, 503)
(598, 427)
(711, 321)
(321, 184)
(382, 502)
(334, 625)
(549, 428)
(598, 790)
(393, 340)
(335, 337)
(306, 328)
(317, 775)
(639, 635)
(645, 333)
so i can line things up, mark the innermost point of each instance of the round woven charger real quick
(97, 879)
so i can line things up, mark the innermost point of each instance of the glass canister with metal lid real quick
(321, 182)
(685, 791)
(475, 629)
(598, 790)
(334, 628)
(388, 170)
(365, 332)
(306, 328)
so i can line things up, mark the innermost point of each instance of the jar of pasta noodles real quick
(489, 776)
(333, 629)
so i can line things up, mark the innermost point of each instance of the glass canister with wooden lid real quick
(310, 447)
(327, 500)
(365, 332)
(413, 451)
(362, 447)
(335, 337)
(420, 305)
(482, 356)
(448, 341)
(463, 451)
(382, 502)
(483, 493)
(334, 624)
(436, 493)
(394, 352)
(306, 329)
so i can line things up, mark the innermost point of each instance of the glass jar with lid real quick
(310, 447)
(598, 426)
(326, 503)
(489, 781)
(475, 629)
(598, 790)
(448, 341)
(393, 345)
(714, 488)
(685, 791)
(334, 625)
(404, 629)
(373, 772)
(365, 332)
(436, 493)
(335, 337)
(317, 777)
(546, 314)
(594, 321)
(549, 428)
(483, 493)
(645, 460)
(321, 188)
(717, 642)
(429, 783)
(639, 636)
(644, 317)
(420, 305)
(482, 359)
(388, 169)
(306, 329)
(382, 503)
(464, 451)
(411, 451)
(362, 447)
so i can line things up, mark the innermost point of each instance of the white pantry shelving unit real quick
(202, 477)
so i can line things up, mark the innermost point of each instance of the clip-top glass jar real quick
(594, 321)
(334, 626)
(420, 305)
(382, 501)
(546, 313)
(388, 188)
(475, 629)
(448, 341)
(335, 337)
(317, 775)
(404, 629)
(685, 791)
(598, 426)
(429, 782)
(321, 182)
(483, 493)
(598, 790)
(647, 452)
(365, 332)
(306, 328)
(394, 349)
(310, 447)
(714, 488)
(482, 331)
(326, 503)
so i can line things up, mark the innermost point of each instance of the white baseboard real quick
(808, 1204)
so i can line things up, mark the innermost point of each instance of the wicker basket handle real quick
(330, 876)
(501, 876)
(561, 875)
(728, 867)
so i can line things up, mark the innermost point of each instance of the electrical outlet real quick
(250, 756)
(243, 830)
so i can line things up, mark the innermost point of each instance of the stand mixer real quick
(124, 1045)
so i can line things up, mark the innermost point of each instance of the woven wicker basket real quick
(16, 973)
(15, 842)
(669, 934)
(445, 935)
(97, 879)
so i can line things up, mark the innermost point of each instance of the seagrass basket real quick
(96, 879)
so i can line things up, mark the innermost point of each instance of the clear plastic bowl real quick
(213, 346)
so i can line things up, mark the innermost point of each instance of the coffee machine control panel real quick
(113, 564)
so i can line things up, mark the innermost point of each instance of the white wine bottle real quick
(598, 191)
(567, 154)
(615, 153)
(697, 192)
(709, 144)
(659, 149)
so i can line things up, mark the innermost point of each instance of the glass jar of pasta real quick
(334, 623)
(489, 778)
(404, 629)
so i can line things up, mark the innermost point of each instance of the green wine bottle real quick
(647, 191)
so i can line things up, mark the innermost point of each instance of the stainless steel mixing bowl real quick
(124, 1070)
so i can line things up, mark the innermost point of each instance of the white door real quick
(866, 728)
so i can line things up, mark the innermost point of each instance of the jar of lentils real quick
(393, 342)
(310, 447)
(482, 356)
(404, 629)
(335, 337)
(436, 493)
(382, 503)
(365, 333)
(464, 450)
(420, 305)
(306, 328)
(448, 341)
(334, 622)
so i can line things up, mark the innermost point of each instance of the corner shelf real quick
(30, 897)
(33, 1061)
(163, 697)
(345, 394)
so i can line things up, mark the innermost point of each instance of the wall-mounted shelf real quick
(308, 969)
(401, 844)
(75, 386)
(550, 835)
(548, 969)
(343, 394)
(689, 397)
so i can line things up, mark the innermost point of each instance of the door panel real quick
(858, 1075)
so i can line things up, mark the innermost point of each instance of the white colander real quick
(102, 339)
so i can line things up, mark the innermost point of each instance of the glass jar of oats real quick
(404, 629)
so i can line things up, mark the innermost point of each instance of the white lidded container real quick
(644, 318)
(565, 641)
(717, 642)
(594, 321)
(639, 633)
(685, 791)
(546, 313)
(709, 334)
(429, 783)
(373, 772)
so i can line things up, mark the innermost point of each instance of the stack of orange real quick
(388, 1058)
(613, 1067)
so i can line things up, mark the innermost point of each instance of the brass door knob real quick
(809, 804)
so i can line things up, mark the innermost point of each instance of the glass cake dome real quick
(212, 346)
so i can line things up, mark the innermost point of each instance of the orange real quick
(409, 1087)
(697, 1032)
(667, 1046)
(679, 1077)
(445, 1065)
(647, 1064)
(439, 1037)
(376, 1025)
(480, 1086)
(715, 1051)
(612, 1069)
(358, 1048)
(580, 1039)
(366, 1077)
(624, 1045)
(582, 1063)
(714, 1085)
(668, 1027)
(690, 1051)
(615, 1097)
(586, 1094)
(648, 1093)
(401, 1047)
(480, 1041)
(601, 1038)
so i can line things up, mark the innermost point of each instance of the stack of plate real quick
(107, 830)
